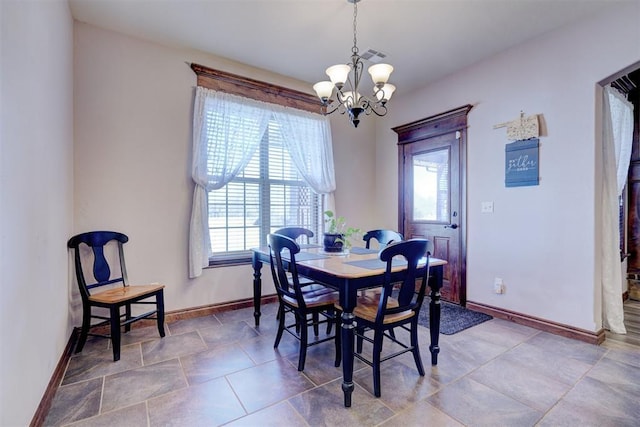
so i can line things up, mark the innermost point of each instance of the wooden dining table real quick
(349, 272)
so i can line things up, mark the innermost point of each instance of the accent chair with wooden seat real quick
(116, 294)
(301, 304)
(381, 313)
(384, 237)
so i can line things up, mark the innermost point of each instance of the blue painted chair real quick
(383, 312)
(384, 237)
(301, 304)
(295, 233)
(304, 235)
(118, 294)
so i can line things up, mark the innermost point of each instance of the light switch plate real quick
(486, 207)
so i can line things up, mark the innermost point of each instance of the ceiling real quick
(423, 39)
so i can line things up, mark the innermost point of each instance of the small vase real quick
(333, 242)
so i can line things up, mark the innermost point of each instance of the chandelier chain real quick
(355, 40)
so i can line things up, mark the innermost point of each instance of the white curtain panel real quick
(227, 130)
(307, 136)
(617, 139)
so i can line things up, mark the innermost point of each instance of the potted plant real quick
(337, 234)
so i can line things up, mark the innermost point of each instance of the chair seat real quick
(370, 294)
(124, 293)
(371, 297)
(367, 309)
(312, 300)
(303, 280)
(315, 288)
(307, 285)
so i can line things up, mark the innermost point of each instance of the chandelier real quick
(351, 101)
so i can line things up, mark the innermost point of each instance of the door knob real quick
(452, 226)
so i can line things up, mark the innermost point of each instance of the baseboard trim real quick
(596, 338)
(58, 374)
(207, 310)
(170, 316)
(193, 312)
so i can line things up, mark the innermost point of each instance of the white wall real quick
(541, 240)
(132, 156)
(354, 156)
(36, 199)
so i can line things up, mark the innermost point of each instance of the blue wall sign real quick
(521, 163)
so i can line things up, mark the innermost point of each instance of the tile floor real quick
(221, 370)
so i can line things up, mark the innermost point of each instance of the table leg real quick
(257, 287)
(347, 356)
(435, 281)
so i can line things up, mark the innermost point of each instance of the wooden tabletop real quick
(339, 264)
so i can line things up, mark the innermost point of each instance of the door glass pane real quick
(431, 186)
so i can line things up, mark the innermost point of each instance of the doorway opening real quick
(628, 83)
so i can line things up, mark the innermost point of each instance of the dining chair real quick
(308, 285)
(295, 233)
(394, 307)
(92, 251)
(292, 300)
(384, 237)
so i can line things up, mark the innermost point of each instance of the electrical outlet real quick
(498, 286)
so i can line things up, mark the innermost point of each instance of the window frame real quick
(265, 184)
(262, 91)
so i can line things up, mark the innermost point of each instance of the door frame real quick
(450, 121)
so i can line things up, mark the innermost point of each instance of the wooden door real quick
(432, 159)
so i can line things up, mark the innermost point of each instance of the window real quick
(431, 197)
(267, 195)
(262, 159)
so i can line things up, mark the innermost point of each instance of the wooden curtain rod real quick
(255, 89)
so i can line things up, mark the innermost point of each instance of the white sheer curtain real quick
(227, 130)
(617, 138)
(307, 137)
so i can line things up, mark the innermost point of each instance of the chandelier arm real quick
(342, 101)
(333, 107)
(379, 106)
(365, 104)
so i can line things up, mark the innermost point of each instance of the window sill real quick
(230, 261)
